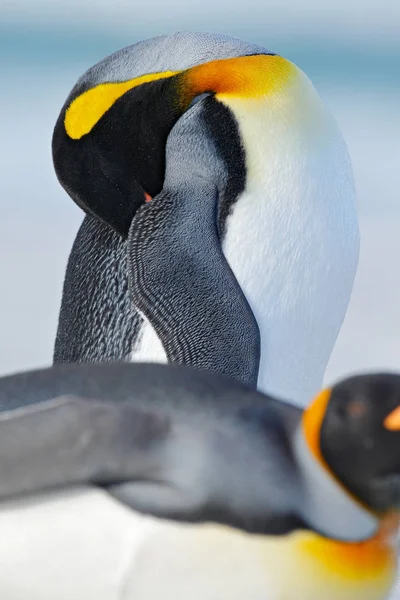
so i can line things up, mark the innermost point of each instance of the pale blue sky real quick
(328, 17)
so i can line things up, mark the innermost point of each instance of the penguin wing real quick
(180, 279)
(95, 280)
(71, 439)
(172, 457)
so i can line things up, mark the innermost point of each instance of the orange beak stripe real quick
(392, 421)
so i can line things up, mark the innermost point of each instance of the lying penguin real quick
(127, 481)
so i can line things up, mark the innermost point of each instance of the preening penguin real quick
(228, 492)
(243, 260)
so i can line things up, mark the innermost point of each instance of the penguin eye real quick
(356, 409)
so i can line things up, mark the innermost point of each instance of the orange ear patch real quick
(312, 422)
(392, 421)
(244, 76)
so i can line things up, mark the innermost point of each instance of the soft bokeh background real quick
(350, 49)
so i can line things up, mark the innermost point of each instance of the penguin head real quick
(358, 437)
(109, 141)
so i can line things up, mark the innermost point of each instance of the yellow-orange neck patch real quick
(245, 76)
(368, 559)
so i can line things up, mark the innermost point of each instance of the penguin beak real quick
(392, 421)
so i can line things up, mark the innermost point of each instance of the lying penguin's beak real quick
(392, 421)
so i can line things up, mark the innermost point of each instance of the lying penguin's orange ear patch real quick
(392, 421)
(312, 422)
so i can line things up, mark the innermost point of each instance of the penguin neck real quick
(327, 506)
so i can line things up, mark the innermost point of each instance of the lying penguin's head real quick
(354, 430)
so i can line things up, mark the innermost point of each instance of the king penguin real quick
(131, 482)
(221, 228)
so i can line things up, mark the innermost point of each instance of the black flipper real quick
(97, 320)
(180, 279)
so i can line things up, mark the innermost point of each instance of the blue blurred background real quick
(351, 51)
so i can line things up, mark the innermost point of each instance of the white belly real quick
(292, 238)
(148, 347)
(85, 546)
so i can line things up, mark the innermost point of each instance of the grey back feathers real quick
(168, 441)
